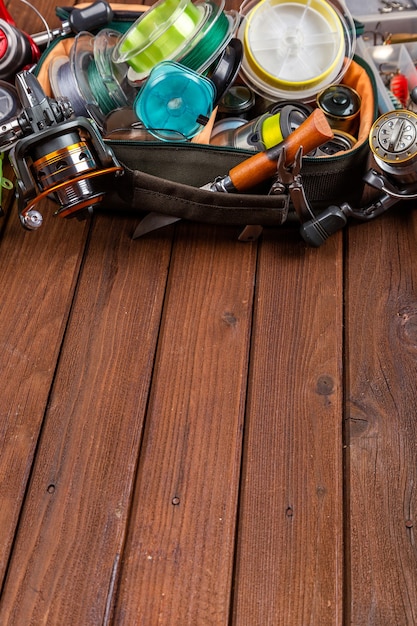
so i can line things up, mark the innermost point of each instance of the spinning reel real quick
(19, 50)
(393, 143)
(54, 156)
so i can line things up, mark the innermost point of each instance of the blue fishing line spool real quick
(175, 102)
(9, 101)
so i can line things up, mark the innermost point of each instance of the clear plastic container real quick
(293, 49)
(160, 34)
(175, 102)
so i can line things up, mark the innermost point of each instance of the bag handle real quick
(145, 192)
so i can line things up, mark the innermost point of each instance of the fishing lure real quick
(399, 87)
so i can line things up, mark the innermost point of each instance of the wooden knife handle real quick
(313, 132)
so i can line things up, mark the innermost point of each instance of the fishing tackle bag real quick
(166, 176)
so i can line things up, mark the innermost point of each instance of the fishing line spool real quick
(160, 34)
(341, 142)
(63, 84)
(194, 34)
(294, 49)
(224, 128)
(238, 101)
(265, 131)
(209, 43)
(90, 79)
(175, 102)
(224, 70)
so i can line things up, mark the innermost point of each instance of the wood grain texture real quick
(381, 421)
(171, 420)
(178, 559)
(38, 274)
(71, 533)
(289, 556)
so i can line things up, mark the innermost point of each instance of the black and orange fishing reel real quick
(54, 155)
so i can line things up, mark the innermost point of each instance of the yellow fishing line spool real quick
(293, 48)
(293, 44)
(160, 34)
(271, 130)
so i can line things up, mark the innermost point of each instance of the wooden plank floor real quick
(196, 431)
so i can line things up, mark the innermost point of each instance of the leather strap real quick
(145, 192)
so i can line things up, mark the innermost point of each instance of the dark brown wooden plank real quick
(289, 557)
(179, 553)
(38, 273)
(28, 20)
(381, 420)
(38, 276)
(71, 533)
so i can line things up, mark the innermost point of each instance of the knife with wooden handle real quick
(311, 134)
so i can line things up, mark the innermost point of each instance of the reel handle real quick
(91, 17)
(313, 132)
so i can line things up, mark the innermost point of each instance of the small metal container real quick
(341, 105)
(236, 102)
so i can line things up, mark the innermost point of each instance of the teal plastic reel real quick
(175, 102)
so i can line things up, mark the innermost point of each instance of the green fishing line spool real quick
(212, 39)
(160, 34)
(101, 83)
(112, 76)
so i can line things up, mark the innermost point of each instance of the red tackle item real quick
(399, 88)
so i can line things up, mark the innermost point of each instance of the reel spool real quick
(175, 102)
(265, 131)
(393, 142)
(341, 105)
(17, 49)
(294, 49)
(341, 142)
